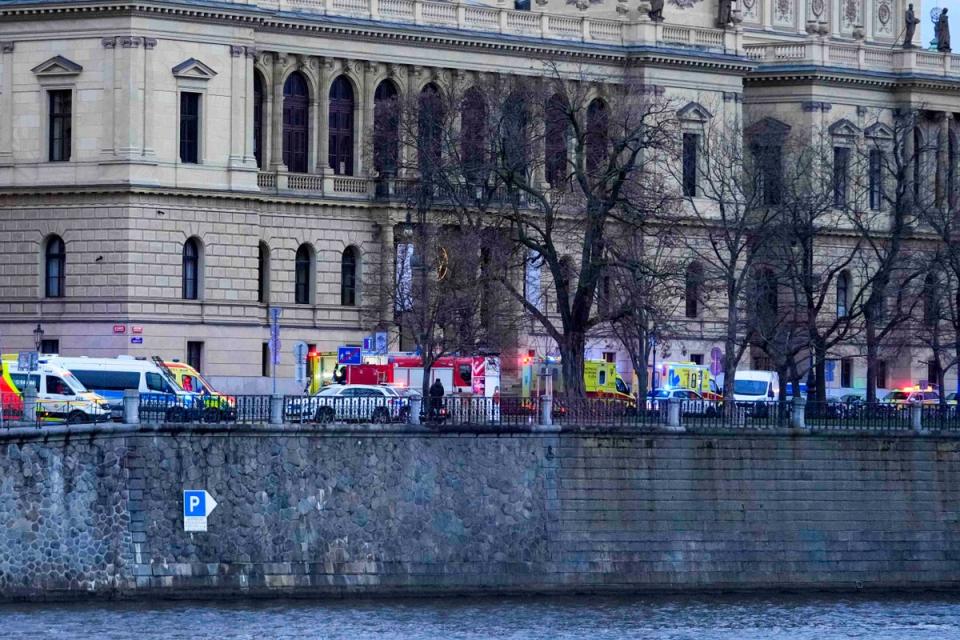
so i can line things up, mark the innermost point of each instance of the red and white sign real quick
(137, 329)
(119, 329)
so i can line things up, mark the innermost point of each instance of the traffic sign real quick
(197, 506)
(349, 355)
(28, 361)
(368, 344)
(119, 328)
(380, 342)
(300, 351)
(136, 339)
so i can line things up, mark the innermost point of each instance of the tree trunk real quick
(640, 368)
(571, 358)
(820, 373)
(873, 349)
(729, 360)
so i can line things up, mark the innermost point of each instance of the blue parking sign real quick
(349, 355)
(195, 504)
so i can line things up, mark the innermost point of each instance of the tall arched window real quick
(386, 128)
(513, 134)
(55, 267)
(348, 277)
(303, 275)
(263, 272)
(296, 126)
(473, 123)
(341, 127)
(429, 130)
(596, 141)
(191, 269)
(258, 95)
(843, 293)
(694, 289)
(556, 135)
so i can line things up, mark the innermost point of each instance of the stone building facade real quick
(169, 171)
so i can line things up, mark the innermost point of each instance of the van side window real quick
(602, 378)
(57, 386)
(188, 383)
(98, 380)
(155, 382)
(20, 381)
(622, 386)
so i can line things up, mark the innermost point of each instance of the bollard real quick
(916, 417)
(276, 409)
(416, 406)
(546, 411)
(29, 404)
(673, 412)
(131, 406)
(798, 416)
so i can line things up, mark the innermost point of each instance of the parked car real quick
(351, 402)
(691, 402)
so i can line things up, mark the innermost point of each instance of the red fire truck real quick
(469, 375)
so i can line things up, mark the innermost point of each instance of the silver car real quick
(351, 403)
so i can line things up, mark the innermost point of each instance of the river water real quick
(592, 618)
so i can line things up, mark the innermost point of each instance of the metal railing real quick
(585, 412)
(158, 408)
(857, 416)
(704, 415)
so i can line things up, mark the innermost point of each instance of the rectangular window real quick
(691, 145)
(61, 124)
(195, 355)
(609, 356)
(876, 179)
(696, 358)
(841, 168)
(769, 171)
(933, 372)
(50, 346)
(265, 360)
(846, 373)
(189, 127)
(881, 371)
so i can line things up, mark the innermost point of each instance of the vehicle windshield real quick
(390, 391)
(72, 380)
(662, 393)
(750, 387)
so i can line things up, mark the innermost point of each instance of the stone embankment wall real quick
(100, 513)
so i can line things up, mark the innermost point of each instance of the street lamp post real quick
(653, 369)
(38, 337)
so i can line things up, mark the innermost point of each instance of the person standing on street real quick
(436, 399)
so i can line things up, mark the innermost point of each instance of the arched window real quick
(263, 272)
(386, 128)
(55, 269)
(341, 127)
(843, 293)
(348, 277)
(597, 135)
(429, 130)
(258, 95)
(303, 275)
(931, 305)
(473, 123)
(556, 136)
(694, 289)
(296, 126)
(191, 269)
(513, 134)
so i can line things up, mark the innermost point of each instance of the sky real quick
(953, 10)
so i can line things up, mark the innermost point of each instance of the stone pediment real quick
(879, 130)
(57, 66)
(694, 111)
(767, 131)
(844, 128)
(193, 69)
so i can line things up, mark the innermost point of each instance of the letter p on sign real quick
(197, 505)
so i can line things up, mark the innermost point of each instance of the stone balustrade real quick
(857, 56)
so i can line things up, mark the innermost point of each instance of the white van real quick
(60, 395)
(110, 377)
(756, 386)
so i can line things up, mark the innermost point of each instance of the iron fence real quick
(585, 412)
(857, 416)
(705, 415)
(940, 417)
(157, 408)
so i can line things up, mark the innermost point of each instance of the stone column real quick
(909, 156)
(276, 99)
(6, 102)
(363, 143)
(388, 255)
(943, 158)
(326, 74)
(238, 105)
(313, 117)
(129, 113)
(249, 158)
(149, 44)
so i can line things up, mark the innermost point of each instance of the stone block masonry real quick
(99, 513)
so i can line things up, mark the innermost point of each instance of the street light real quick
(38, 336)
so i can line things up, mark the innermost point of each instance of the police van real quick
(110, 377)
(60, 395)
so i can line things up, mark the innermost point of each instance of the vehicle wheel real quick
(77, 417)
(176, 414)
(325, 415)
(211, 415)
(380, 416)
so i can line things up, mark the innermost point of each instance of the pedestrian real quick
(436, 399)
